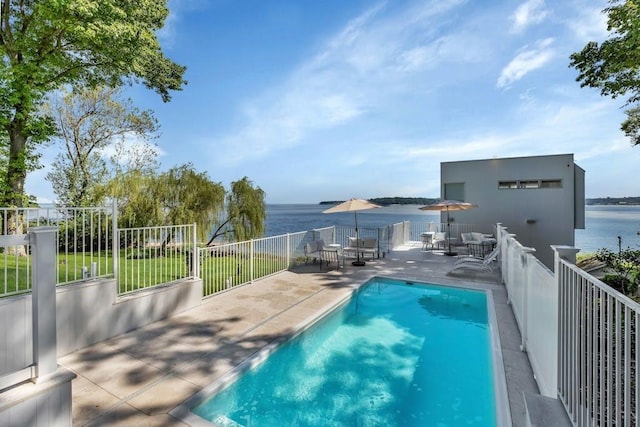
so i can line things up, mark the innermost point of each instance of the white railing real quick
(532, 293)
(84, 244)
(398, 234)
(150, 256)
(19, 362)
(223, 267)
(599, 351)
(327, 234)
(581, 336)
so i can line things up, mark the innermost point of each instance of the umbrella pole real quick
(449, 236)
(357, 262)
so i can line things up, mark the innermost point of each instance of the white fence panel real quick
(599, 351)
(542, 324)
(150, 256)
(532, 293)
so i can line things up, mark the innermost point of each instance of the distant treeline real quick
(614, 201)
(386, 201)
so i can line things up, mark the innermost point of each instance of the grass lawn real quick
(218, 273)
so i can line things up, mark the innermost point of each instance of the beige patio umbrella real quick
(354, 205)
(448, 205)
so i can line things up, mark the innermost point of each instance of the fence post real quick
(115, 250)
(567, 253)
(288, 249)
(43, 300)
(526, 282)
(196, 253)
(251, 255)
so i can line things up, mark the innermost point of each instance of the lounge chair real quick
(480, 264)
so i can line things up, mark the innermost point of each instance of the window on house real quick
(507, 184)
(551, 183)
(530, 183)
(454, 191)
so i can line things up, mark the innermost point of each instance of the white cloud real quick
(350, 76)
(589, 24)
(529, 13)
(525, 62)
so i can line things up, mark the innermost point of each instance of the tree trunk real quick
(17, 168)
(16, 176)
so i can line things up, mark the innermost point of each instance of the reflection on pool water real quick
(396, 354)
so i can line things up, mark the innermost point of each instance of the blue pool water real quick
(395, 355)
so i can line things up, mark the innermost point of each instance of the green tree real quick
(613, 66)
(48, 44)
(134, 191)
(88, 121)
(187, 197)
(183, 195)
(246, 212)
(626, 265)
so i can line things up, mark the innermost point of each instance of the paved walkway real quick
(138, 377)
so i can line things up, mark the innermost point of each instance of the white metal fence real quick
(90, 245)
(84, 239)
(581, 336)
(599, 351)
(150, 256)
(225, 266)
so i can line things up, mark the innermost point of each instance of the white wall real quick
(88, 313)
(46, 403)
(550, 211)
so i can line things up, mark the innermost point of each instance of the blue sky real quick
(330, 100)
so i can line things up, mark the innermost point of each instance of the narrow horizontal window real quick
(551, 183)
(529, 184)
(507, 184)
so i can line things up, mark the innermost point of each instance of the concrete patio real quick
(137, 378)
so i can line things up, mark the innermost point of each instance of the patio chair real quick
(318, 250)
(439, 239)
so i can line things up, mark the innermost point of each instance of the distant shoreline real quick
(607, 201)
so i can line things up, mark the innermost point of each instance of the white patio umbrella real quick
(354, 205)
(448, 205)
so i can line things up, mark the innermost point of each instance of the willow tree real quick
(245, 212)
(88, 121)
(189, 197)
(613, 66)
(49, 44)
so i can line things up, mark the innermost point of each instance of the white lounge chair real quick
(481, 264)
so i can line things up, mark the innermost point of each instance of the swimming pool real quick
(395, 354)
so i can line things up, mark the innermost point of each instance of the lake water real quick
(603, 223)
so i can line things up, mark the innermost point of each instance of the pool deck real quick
(137, 378)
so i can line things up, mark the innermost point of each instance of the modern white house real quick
(540, 199)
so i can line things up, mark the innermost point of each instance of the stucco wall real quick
(539, 217)
(88, 313)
